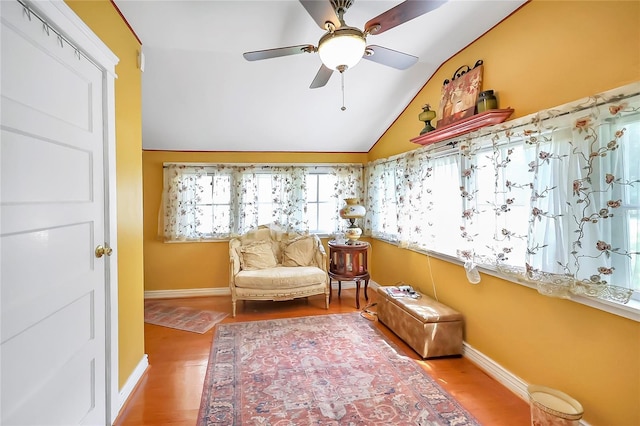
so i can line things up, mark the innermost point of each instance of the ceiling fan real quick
(342, 46)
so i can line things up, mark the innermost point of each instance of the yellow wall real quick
(181, 266)
(105, 21)
(544, 55)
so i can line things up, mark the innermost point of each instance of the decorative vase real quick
(427, 115)
(352, 233)
(352, 211)
(486, 101)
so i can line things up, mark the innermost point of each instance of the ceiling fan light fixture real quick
(342, 48)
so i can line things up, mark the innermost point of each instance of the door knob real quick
(100, 251)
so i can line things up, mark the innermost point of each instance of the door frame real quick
(64, 20)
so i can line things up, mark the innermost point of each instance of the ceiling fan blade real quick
(322, 77)
(321, 11)
(276, 53)
(400, 14)
(390, 58)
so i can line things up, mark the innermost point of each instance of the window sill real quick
(208, 240)
(227, 239)
(630, 311)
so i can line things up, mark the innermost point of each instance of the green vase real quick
(486, 101)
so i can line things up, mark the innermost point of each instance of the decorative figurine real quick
(427, 115)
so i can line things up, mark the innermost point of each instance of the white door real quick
(52, 292)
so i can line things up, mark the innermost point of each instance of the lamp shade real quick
(342, 47)
(352, 210)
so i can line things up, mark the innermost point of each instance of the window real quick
(553, 200)
(382, 202)
(628, 235)
(214, 206)
(415, 201)
(218, 201)
(502, 192)
(321, 207)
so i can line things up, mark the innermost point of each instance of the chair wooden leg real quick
(233, 309)
(366, 284)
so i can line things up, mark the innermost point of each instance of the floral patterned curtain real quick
(381, 220)
(347, 184)
(443, 204)
(410, 210)
(495, 188)
(410, 199)
(581, 192)
(179, 211)
(552, 199)
(584, 178)
(244, 198)
(289, 191)
(202, 202)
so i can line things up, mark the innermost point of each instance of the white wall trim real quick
(111, 238)
(132, 381)
(190, 292)
(224, 291)
(512, 382)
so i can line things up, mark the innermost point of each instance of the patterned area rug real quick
(182, 318)
(321, 370)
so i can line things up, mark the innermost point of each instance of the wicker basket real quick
(550, 407)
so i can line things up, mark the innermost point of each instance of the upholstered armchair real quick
(270, 264)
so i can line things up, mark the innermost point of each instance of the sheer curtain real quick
(289, 192)
(495, 188)
(552, 199)
(583, 181)
(443, 204)
(411, 199)
(381, 220)
(215, 201)
(347, 183)
(244, 198)
(411, 209)
(180, 213)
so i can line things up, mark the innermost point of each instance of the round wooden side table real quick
(348, 262)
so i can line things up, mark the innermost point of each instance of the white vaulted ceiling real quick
(200, 94)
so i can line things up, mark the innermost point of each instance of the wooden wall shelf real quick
(466, 125)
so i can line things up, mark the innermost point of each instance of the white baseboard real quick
(343, 284)
(191, 292)
(132, 381)
(352, 284)
(512, 382)
(495, 370)
(223, 291)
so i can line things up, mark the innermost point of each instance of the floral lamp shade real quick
(351, 211)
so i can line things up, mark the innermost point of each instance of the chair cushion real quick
(299, 251)
(257, 255)
(281, 277)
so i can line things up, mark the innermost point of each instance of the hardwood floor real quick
(170, 390)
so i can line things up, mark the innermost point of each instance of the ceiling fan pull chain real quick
(342, 84)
